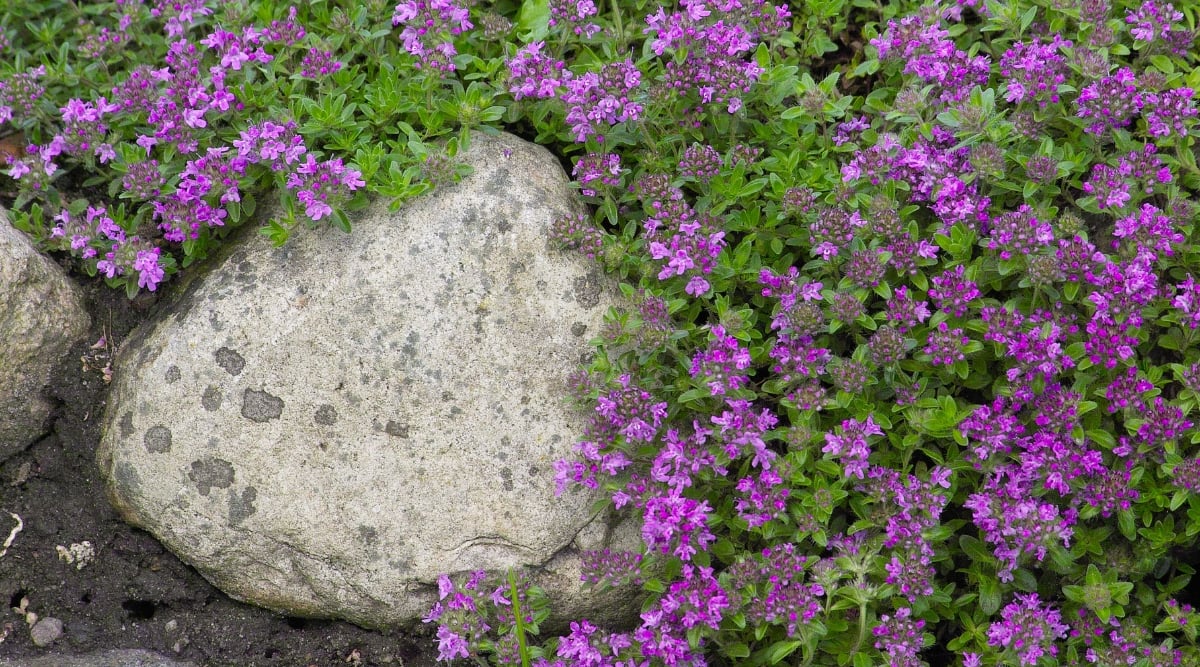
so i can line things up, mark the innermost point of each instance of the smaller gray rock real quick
(118, 658)
(46, 631)
(41, 316)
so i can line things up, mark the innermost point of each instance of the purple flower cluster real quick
(605, 168)
(534, 74)
(322, 185)
(1170, 113)
(899, 637)
(675, 524)
(576, 232)
(774, 589)
(699, 162)
(1187, 302)
(20, 92)
(1148, 231)
(464, 616)
(606, 568)
(1016, 522)
(1034, 72)
(1110, 102)
(1019, 232)
(850, 445)
(945, 345)
(1028, 628)
(318, 64)
(602, 98)
(1111, 185)
(125, 255)
(928, 52)
(721, 365)
(688, 242)
(714, 44)
(952, 292)
(428, 24)
(573, 15)
(1113, 644)
(761, 498)
(905, 311)
(934, 171)
(629, 413)
(913, 509)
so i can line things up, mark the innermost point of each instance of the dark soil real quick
(136, 593)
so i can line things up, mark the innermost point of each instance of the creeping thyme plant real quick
(908, 371)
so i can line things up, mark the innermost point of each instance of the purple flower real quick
(1110, 102)
(1187, 301)
(720, 364)
(952, 292)
(605, 98)
(594, 167)
(775, 588)
(899, 637)
(532, 74)
(945, 345)
(428, 25)
(1028, 628)
(699, 162)
(1170, 113)
(851, 445)
(676, 525)
(150, 273)
(1034, 71)
(450, 645)
(573, 16)
(1152, 20)
(905, 311)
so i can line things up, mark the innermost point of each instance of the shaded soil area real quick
(135, 593)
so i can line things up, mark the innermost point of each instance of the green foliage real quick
(1091, 485)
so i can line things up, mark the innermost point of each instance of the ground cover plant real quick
(908, 372)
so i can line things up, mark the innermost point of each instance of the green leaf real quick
(974, 549)
(738, 650)
(1126, 524)
(780, 650)
(989, 595)
(534, 20)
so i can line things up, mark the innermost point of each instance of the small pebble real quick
(171, 625)
(46, 631)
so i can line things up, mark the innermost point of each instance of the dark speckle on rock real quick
(211, 398)
(157, 439)
(241, 507)
(261, 407)
(126, 424)
(504, 226)
(396, 428)
(127, 478)
(231, 361)
(587, 289)
(173, 375)
(368, 534)
(209, 473)
(326, 415)
(506, 475)
(578, 329)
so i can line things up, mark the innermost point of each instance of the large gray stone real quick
(41, 316)
(323, 429)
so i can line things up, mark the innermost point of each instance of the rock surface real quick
(41, 316)
(323, 429)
